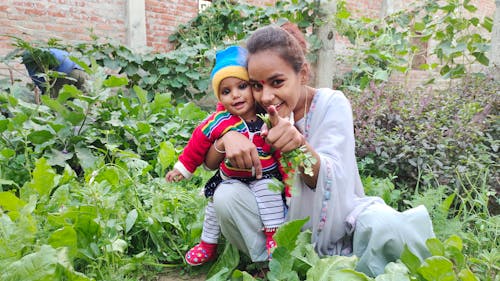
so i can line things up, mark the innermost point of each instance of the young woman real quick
(343, 220)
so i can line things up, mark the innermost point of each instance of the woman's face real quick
(274, 82)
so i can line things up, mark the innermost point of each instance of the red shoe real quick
(270, 243)
(201, 253)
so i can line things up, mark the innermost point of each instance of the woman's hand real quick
(282, 135)
(241, 152)
(285, 137)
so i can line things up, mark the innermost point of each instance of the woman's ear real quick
(305, 74)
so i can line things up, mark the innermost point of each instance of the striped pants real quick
(270, 204)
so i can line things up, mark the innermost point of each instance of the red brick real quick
(36, 12)
(54, 13)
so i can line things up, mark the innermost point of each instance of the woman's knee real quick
(231, 195)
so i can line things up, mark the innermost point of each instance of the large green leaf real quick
(58, 158)
(10, 202)
(166, 155)
(334, 265)
(4, 125)
(86, 158)
(286, 235)
(467, 275)
(75, 115)
(47, 264)
(39, 137)
(436, 247)
(410, 260)
(42, 182)
(225, 264)
(394, 272)
(304, 253)
(241, 276)
(114, 81)
(160, 103)
(481, 58)
(437, 268)
(17, 234)
(280, 267)
(67, 92)
(130, 220)
(141, 95)
(65, 237)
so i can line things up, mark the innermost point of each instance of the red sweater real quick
(214, 127)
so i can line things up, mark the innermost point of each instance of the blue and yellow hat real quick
(230, 62)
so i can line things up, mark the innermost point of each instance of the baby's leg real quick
(206, 250)
(211, 227)
(270, 203)
(271, 209)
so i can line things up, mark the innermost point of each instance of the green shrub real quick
(425, 137)
(382, 46)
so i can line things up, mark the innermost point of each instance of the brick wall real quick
(162, 17)
(68, 20)
(367, 8)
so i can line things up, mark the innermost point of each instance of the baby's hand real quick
(174, 176)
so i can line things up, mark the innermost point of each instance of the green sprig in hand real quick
(291, 162)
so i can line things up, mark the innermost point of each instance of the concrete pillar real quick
(389, 7)
(136, 25)
(326, 67)
(494, 53)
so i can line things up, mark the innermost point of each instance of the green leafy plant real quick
(381, 47)
(446, 262)
(425, 137)
(296, 259)
(82, 176)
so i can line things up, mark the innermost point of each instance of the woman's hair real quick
(286, 40)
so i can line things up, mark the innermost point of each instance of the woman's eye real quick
(277, 82)
(256, 86)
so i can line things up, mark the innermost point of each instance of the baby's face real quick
(236, 96)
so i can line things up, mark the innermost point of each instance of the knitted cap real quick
(230, 62)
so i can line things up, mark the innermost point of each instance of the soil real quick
(180, 275)
(177, 277)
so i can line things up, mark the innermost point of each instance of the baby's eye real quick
(243, 86)
(225, 92)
